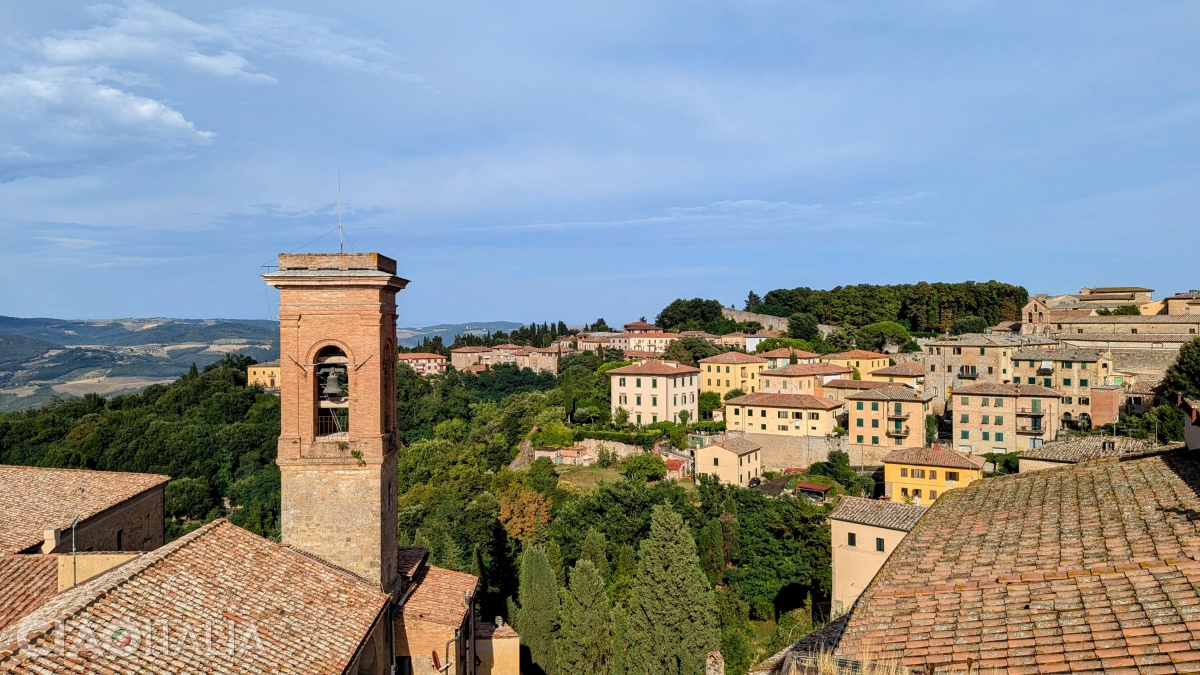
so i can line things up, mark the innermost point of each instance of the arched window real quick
(333, 392)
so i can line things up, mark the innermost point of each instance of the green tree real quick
(841, 340)
(931, 429)
(188, 498)
(595, 550)
(707, 403)
(584, 642)
(620, 642)
(752, 302)
(803, 326)
(684, 416)
(734, 393)
(689, 350)
(672, 614)
(535, 614)
(969, 324)
(1123, 310)
(621, 418)
(882, 335)
(643, 467)
(1183, 376)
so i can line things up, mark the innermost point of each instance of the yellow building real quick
(800, 378)
(733, 460)
(732, 370)
(920, 475)
(859, 359)
(782, 414)
(265, 375)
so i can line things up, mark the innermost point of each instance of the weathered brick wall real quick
(782, 452)
(140, 521)
(420, 639)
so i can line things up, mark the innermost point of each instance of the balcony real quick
(968, 374)
(902, 416)
(898, 433)
(1032, 412)
(1030, 430)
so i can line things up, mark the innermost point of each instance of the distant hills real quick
(41, 358)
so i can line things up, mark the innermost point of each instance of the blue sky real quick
(551, 160)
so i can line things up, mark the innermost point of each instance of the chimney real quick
(52, 536)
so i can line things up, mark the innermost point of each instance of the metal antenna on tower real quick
(341, 230)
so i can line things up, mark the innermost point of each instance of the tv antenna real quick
(341, 229)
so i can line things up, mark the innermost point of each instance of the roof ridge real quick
(101, 586)
(308, 555)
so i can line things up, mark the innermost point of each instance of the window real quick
(1047, 382)
(985, 419)
(964, 434)
(998, 420)
(653, 418)
(639, 399)
(639, 419)
(874, 424)
(851, 539)
(874, 440)
(763, 426)
(737, 411)
(783, 427)
(782, 414)
(918, 473)
(621, 381)
(858, 405)
(932, 368)
(814, 416)
(858, 439)
(932, 495)
(1083, 383)
(999, 436)
(983, 402)
(654, 383)
(916, 493)
(951, 475)
(716, 461)
(120, 540)
(933, 474)
(964, 418)
(638, 383)
(990, 370)
(879, 544)
(710, 381)
(1031, 380)
(999, 403)
(654, 401)
(903, 472)
(965, 400)
(709, 367)
(986, 435)
(874, 406)
(1066, 381)
(903, 492)
(764, 413)
(1066, 399)
(1085, 400)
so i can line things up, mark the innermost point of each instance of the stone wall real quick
(1149, 363)
(138, 520)
(768, 321)
(623, 450)
(782, 452)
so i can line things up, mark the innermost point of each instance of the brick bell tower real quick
(338, 441)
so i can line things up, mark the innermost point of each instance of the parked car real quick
(755, 482)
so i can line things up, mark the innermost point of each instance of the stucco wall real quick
(855, 566)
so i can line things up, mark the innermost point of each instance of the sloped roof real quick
(892, 392)
(889, 515)
(737, 445)
(416, 356)
(855, 354)
(441, 596)
(654, 367)
(266, 364)
(1084, 568)
(1089, 448)
(785, 401)
(1064, 354)
(786, 353)
(935, 456)
(856, 384)
(803, 369)
(907, 369)
(310, 617)
(409, 559)
(34, 498)
(1001, 389)
(26, 583)
(487, 630)
(734, 357)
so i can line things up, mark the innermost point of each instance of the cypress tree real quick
(452, 557)
(536, 615)
(595, 550)
(555, 556)
(672, 614)
(712, 551)
(584, 640)
(620, 640)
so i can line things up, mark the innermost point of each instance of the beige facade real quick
(1004, 417)
(973, 358)
(655, 391)
(910, 374)
(1074, 373)
(732, 370)
(265, 375)
(423, 363)
(1181, 304)
(733, 460)
(1158, 331)
(640, 336)
(860, 360)
(778, 358)
(801, 378)
(864, 533)
(790, 415)
(890, 416)
(498, 648)
(539, 360)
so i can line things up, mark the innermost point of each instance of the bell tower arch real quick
(338, 440)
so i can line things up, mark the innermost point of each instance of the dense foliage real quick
(1183, 376)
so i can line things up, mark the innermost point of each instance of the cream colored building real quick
(424, 364)
(498, 649)
(733, 460)
(842, 388)
(889, 416)
(910, 374)
(991, 417)
(538, 360)
(859, 359)
(1073, 372)
(655, 391)
(864, 533)
(921, 475)
(265, 375)
(778, 358)
(732, 370)
(792, 415)
(801, 378)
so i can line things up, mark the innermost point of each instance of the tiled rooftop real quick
(441, 596)
(308, 617)
(803, 401)
(417, 356)
(1089, 448)
(737, 445)
(33, 498)
(1090, 568)
(1002, 389)
(854, 354)
(26, 583)
(935, 456)
(890, 515)
(487, 630)
(991, 340)
(802, 369)
(856, 384)
(734, 357)
(907, 369)
(654, 367)
(892, 392)
(1064, 354)
(409, 560)
(786, 353)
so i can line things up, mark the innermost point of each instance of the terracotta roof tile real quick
(655, 367)
(856, 384)
(1090, 448)
(441, 596)
(786, 353)
(487, 630)
(1093, 566)
(935, 456)
(737, 445)
(735, 357)
(33, 498)
(1064, 354)
(1003, 389)
(802, 369)
(410, 559)
(26, 582)
(785, 401)
(307, 616)
(417, 356)
(908, 369)
(855, 354)
(892, 392)
(890, 515)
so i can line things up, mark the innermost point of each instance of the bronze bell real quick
(332, 386)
